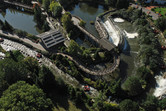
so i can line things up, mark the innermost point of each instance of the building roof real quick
(51, 38)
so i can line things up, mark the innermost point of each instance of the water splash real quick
(161, 86)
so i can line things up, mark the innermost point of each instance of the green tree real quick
(128, 105)
(56, 9)
(115, 88)
(1, 25)
(38, 16)
(46, 26)
(110, 2)
(82, 23)
(46, 4)
(150, 104)
(144, 73)
(7, 27)
(162, 103)
(161, 23)
(67, 22)
(73, 48)
(132, 86)
(24, 97)
(12, 71)
(32, 64)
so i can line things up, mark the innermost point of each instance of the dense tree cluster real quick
(22, 96)
(40, 19)
(133, 86)
(6, 26)
(128, 105)
(118, 3)
(56, 9)
(67, 22)
(89, 55)
(161, 23)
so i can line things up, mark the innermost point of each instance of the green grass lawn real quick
(162, 11)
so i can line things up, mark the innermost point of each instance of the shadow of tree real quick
(59, 100)
(123, 69)
(82, 106)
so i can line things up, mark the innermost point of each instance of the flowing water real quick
(128, 63)
(89, 12)
(161, 86)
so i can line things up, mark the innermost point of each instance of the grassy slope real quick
(71, 107)
(163, 11)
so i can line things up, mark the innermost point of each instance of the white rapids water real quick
(2, 54)
(161, 86)
(118, 20)
(113, 33)
(131, 35)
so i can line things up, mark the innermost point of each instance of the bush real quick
(92, 22)
(82, 23)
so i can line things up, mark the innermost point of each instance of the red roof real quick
(39, 55)
(86, 88)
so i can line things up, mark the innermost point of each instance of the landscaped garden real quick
(160, 10)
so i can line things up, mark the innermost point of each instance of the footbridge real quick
(106, 71)
(102, 42)
(18, 4)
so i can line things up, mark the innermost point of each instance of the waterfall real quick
(160, 89)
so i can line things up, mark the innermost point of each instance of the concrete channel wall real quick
(102, 31)
(100, 28)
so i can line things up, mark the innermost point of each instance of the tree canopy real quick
(24, 97)
(161, 23)
(132, 86)
(67, 22)
(56, 9)
(118, 3)
(128, 105)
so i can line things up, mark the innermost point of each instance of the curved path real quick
(8, 44)
(94, 72)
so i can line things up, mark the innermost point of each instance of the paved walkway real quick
(151, 13)
(36, 45)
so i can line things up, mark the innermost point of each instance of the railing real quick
(18, 4)
(91, 71)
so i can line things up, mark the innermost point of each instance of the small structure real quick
(1, 39)
(86, 88)
(163, 47)
(39, 55)
(51, 38)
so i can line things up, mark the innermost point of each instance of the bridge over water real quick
(18, 4)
